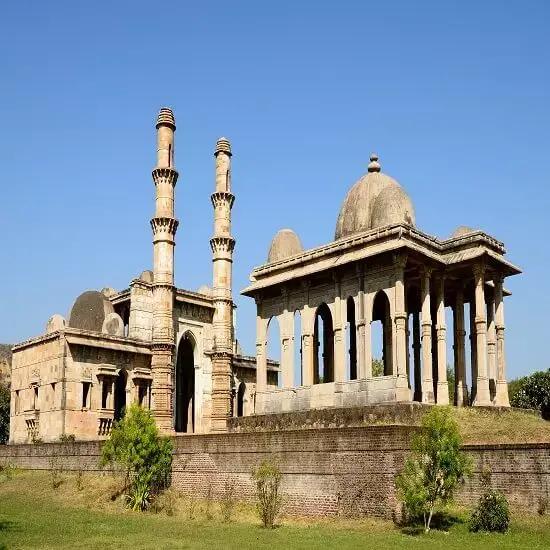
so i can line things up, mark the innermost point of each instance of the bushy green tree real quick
(491, 513)
(435, 468)
(136, 446)
(4, 414)
(377, 367)
(532, 392)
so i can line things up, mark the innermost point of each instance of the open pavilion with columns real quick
(380, 267)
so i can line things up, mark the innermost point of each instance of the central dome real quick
(376, 200)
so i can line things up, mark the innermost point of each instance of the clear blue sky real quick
(453, 96)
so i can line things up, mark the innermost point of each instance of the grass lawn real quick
(34, 515)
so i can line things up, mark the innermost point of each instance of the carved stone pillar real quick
(491, 347)
(367, 340)
(473, 351)
(287, 349)
(339, 333)
(360, 326)
(461, 390)
(400, 261)
(416, 357)
(501, 398)
(482, 397)
(441, 331)
(261, 352)
(427, 381)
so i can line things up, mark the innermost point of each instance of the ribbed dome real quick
(374, 201)
(285, 244)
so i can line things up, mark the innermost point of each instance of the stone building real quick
(175, 350)
(381, 269)
(164, 347)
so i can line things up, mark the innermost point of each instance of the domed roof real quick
(285, 244)
(90, 310)
(462, 230)
(374, 201)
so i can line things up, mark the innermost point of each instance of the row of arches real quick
(324, 343)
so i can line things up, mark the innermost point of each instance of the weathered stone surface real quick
(113, 325)
(285, 244)
(89, 311)
(146, 276)
(55, 322)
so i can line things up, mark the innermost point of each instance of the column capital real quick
(400, 259)
(479, 269)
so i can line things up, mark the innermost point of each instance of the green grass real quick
(34, 515)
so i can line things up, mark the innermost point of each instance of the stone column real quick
(441, 331)
(261, 350)
(482, 397)
(400, 315)
(491, 347)
(360, 328)
(416, 357)
(339, 324)
(287, 348)
(427, 381)
(222, 244)
(461, 390)
(501, 398)
(367, 340)
(164, 227)
(473, 351)
(307, 345)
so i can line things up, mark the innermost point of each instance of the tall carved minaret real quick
(164, 226)
(222, 244)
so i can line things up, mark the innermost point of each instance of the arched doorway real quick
(185, 386)
(381, 314)
(324, 346)
(120, 394)
(240, 399)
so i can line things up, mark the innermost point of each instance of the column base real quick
(501, 397)
(461, 395)
(428, 392)
(442, 393)
(483, 396)
(402, 390)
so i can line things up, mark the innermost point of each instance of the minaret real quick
(222, 244)
(164, 226)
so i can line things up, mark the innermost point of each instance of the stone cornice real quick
(222, 244)
(371, 243)
(219, 198)
(168, 175)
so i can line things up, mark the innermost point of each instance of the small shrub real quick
(165, 502)
(191, 509)
(79, 480)
(7, 471)
(542, 507)
(268, 480)
(56, 472)
(491, 513)
(228, 500)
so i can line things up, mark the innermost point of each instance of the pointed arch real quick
(184, 420)
(240, 399)
(120, 394)
(382, 331)
(323, 337)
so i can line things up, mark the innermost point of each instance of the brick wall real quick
(325, 471)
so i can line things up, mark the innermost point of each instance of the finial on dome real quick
(374, 165)
(223, 146)
(166, 118)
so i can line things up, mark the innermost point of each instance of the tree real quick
(451, 382)
(268, 479)
(136, 446)
(435, 468)
(4, 414)
(377, 367)
(532, 392)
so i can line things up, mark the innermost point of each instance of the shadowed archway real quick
(185, 386)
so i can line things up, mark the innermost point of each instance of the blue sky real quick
(453, 96)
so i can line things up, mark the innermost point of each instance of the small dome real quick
(285, 244)
(90, 310)
(358, 208)
(462, 230)
(146, 276)
(392, 206)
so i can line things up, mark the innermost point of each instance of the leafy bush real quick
(532, 392)
(434, 469)
(136, 446)
(268, 480)
(67, 438)
(228, 500)
(491, 513)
